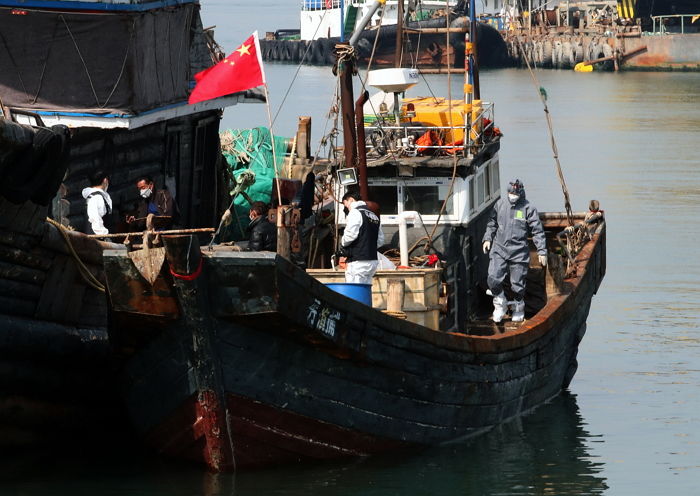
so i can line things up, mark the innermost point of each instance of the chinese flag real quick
(239, 71)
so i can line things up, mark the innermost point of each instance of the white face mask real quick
(513, 198)
(146, 193)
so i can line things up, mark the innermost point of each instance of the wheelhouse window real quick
(386, 197)
(495, 177)
(480, 189)
(472, 196)
(428, 200)
(425, 195)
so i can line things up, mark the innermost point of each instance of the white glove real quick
(542, 259)
(486, 246)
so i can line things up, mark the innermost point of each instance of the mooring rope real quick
(82, 268)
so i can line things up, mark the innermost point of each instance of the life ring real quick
(329, 51)
(547, 51)
(607, 50)
(567, 52)
(556, 55)
(266, 49)
(316, 53)
(539, 52)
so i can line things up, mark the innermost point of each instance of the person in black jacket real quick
(263, 235)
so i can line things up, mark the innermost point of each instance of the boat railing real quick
(411, 140)
(661, 23)
(336, 4)
(320, 4)
(483, 129)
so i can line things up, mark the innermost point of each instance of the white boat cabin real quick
(328, 18)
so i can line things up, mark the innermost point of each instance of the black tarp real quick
(97, 62)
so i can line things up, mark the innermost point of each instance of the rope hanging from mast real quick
(543, 97)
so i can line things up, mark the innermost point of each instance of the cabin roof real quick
(128, 121)
(93, 5)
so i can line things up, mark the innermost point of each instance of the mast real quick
(346, 69)
(354, 150)
(342, 21)
(473, 64)
(399, 35)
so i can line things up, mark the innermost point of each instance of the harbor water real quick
(630, 422)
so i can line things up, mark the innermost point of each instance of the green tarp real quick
(250, 149)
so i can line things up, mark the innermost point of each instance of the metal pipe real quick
(361, 149)
(404, 217)
(342, 21)
(365, 20)
(346, 68)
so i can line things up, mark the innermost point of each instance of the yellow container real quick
(436, 112)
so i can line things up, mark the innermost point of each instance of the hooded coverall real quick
(99, 211)
(507, 230)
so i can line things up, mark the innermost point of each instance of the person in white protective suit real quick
(506, 241)
(99, 205)
(363, 235)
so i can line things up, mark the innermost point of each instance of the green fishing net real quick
(249, 149)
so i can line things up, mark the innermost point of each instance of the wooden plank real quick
(20, 273)
(394, 295)
(51, 342)
(16, 306)
(62, 294)
(20, 290)
(22, 257)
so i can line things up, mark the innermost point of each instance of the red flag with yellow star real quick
(239, 71)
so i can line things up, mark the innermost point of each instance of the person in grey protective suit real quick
(506, 240)
(361, 238)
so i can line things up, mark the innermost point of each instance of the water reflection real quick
(543, 453)
(547, 452)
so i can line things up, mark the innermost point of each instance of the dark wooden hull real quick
(266, 365)
(55, 376)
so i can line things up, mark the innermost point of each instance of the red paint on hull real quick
(261, 435)
(196, 431)
(266, 435)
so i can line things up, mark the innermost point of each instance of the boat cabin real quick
(330, 18)
(433, 194)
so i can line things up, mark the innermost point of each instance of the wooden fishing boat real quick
(255, 361)
(55, 362)
(237, 358)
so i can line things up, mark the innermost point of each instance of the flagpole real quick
(272, 140)
(258, 54)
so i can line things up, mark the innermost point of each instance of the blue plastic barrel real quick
(356, 291)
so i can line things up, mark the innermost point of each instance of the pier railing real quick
(660, 23)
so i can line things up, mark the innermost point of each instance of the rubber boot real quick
(518, 311)
(500, 307)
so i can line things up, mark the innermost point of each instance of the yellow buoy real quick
(582, 67)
